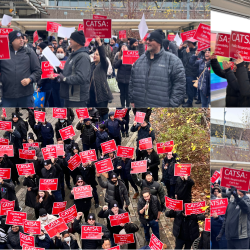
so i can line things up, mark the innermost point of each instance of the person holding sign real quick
(44, 199)
(160, 84)
(69, 241)
(237, 221)
(101, 136)
(183, 188)
(44, 241)
(19, 73)
(13, 239)
(45, 218)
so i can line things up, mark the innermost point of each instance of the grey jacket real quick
(158, 82)
(77, 72)
(23, 64)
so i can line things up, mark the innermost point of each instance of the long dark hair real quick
(45, 196)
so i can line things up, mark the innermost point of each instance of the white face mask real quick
(60, 55)
(232, 199)
(42, 237)
(67, 239)
(248, 195)
(38, 51)
(44, 218)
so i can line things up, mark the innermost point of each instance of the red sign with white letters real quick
(88, 155)
(74, 162)
(82, 113)
(176, 205)
(117, 220)
(35, 36)
(139, 117)
(3, 124)
(39, 115)
(15, 218)
(195, 208)
(171, 37)
(27, 240)
(164, 147)
(108, 146)
(219, 206)
(56, 226)
(69, 214)
(215, 176)
(155, 243)
(202, 46)
(47, 70)
(82, 192)
(59, 207)
(138, 167)
(130, 56)
(4, 48)
(103, 166)
(94, 28)
(5, 173)
(91, 233)
(120, 113)
(62, 64)
(28, 145)
(222, 45)
(49, 152)
(59, 149)
(6, 206)
(24, 169)
(6, 150)
(60, 113)
(122, 34)
(203, 33)
(99, 17)
(48, 184)
(182, 169)
(4, 142)
(4, 112)
(27, 154)
(32, 227)
(5, 31)
(145, 144)
(127, 152)
(124, 238)
(25, 247)
(188, 34)
(67, 132)
(80, 27)
(52, 27)
(207, 224)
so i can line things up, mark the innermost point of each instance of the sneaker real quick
(123, 134)
(136, 195)
(187, 105)
(96, 205)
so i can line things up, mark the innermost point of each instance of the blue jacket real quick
(46, 131)
(47, 243)
(101, 137)
(125, 170)
(216, 225)
(114, 127)
(143, 132)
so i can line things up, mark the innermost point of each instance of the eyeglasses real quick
(150, 39)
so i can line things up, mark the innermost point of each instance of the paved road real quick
(165, 224)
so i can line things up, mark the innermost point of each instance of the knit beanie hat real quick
(78, 36)
(14, 34)
(156, 36)
(43, 45)
(132, 41)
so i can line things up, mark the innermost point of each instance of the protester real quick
(153, 161)
(183, 188)
(45, 218)
(44, 241)
(13, 239)
(44, 199)
(67, 242)
(101, 136)
(47, 132)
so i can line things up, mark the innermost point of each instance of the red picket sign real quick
(5, 173)
(5, 31)
(82, 113)
(182, 169)
(60, 113)
(139, 117)
(234, 177)
(202, 46)
(127, 152)
(52, 27)
(115, 248)
(6, 150)
(25, 247)
(4, 112)
(240, 44)
(155, 243)
(82, 192)
(4, 142)
(145, 144)
(56, 226)
(164, 147)
(171, 38)
(117, 220)
(138, 167)
(122, 34)
(69, 214)
(94, 28)
(47, 70)
(24, 169)
(6, 206)
(203, 33)
(27, 240)
(28, 145)
(104, 166)
(130, 56)
(4, 48)
(87, 42)
(3, 124)
(49, 152)
(59, 149)
(39, 115)
(80, 27)
(120, 113)
(232, 65)
(145, 37)
(32, 227)
(88, 155)
(62, 64)
(67, 132)
(108, 146)
(48, 184)
(195, 208)
(188, 34)
(91, 233)
(219, 206)
(222, 45)
(176, 205)
(215, 176)
(59, 207)
(35, 36)
(207, 224)
(15, 218)
(27, 154)
(99, 17)
(124, 238)
(74, 162)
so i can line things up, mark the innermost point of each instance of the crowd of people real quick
(164, 75)
(149, 191)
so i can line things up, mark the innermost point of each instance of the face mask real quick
(248, 195)
(59, 55)
(44, 125)
(239, 196)
(62, 121)
(106, 40)
(67, 239)
(38, 51)
(44, 218)
(41, 237)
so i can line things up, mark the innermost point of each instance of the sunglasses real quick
(79, 181)
(150, 39)
(90, 219)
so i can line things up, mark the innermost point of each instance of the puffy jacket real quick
(237, 219)
(114, 127)
(87, 133)
(168, 174)
(100, 138)
(47, 131)
(30, 199)
(204, 240)
(191, 220)
(13, 239)
(47, 243)
(77, 72)
(110, 192)
(23, 64)
(183, 189)
(158, 82)
(155, 187)
(46, 222)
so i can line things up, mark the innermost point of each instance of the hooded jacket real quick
(153, 161)
(53, 173)
(100, 138)
(23, 64)
(114, 127)
(13, 239)
(77, 72)
(59, 125)
(158, 82)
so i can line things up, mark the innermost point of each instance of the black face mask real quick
(114, 182)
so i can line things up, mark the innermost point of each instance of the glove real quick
(218, 238)
(60, 78)
(163, 208)
(234, 192)
(5, 156)
(126, 208)
(59, 70)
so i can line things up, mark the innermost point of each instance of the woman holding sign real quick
(44, 200)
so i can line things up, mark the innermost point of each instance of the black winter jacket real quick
(114, 127)
(13, 240)
(153, 161)
(46, 204)
(30, 199)
(88, 174)
(183, 189)
(168, 174)
(53, 173)
(59, 125)
(88, 134)
(204, 240)
(63, 245)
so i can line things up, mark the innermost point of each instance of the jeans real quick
(112, 241)
(180, 243)
(57, 101)
(191, 90)
(172, 191)
(124, 97)
(95, 195)
(70, 104)
(24, 102)
(155, 229)
(58, 195)
(104, 117)
(238, 244)
(46, 142)
(204, 100)
(132, 184)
